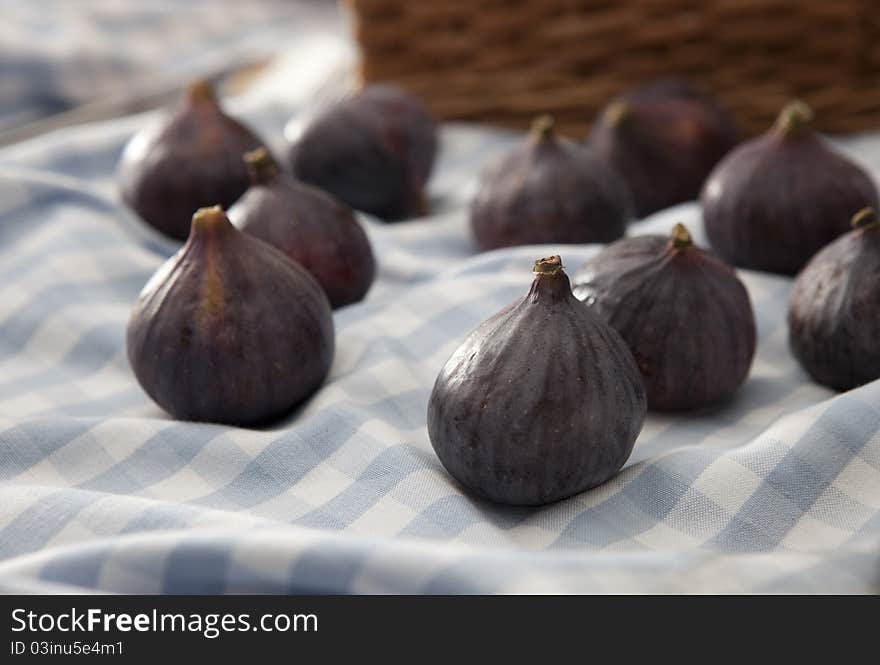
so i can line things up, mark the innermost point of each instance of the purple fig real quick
(541, 402)
(683, 312)
(185, 161)
(663, 139)
(778, 199)
(548, 190)
(832, 314)
(373, 151)
(229, 330)
(309, 226)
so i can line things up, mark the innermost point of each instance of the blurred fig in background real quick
(833, 326)
(309, 226)
(229, 330)
(187, 160)
(776, 200)
(549, 190)
(682, 311)
(663, 139)
(373, 150)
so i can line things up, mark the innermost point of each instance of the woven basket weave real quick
(504, 61)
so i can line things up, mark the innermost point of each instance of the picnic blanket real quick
(777, 491)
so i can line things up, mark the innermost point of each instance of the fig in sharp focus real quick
(663, 139)
(373, 151)
(188, 160)
(833, 327)
(547, 190)
(683, 313)
(309, 226)
(778, 199)
(229, 330)
(541, 402)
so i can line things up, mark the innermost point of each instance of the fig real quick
(542, 401)
(229, 330)
(682, 311)
(372, 150)
(663, 139)
(309, 226)
(547, 190)
(187, 160)
(776, 200)
(832, 314)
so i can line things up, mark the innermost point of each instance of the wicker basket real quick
(504, 61)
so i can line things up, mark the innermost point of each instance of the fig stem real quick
(616, 112)
(420, 204)
(794, 117)
(681, 237)
(260, 164)
(206, 219)
(201, 90)
(542, 128)
(864, 218)
(550, 265)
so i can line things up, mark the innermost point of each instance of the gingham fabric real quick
(778, 491)
(58, 54)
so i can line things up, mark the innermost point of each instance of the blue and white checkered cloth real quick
(778, 491)
(56, 54)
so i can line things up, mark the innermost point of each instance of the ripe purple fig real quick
(541, 402)
(663, 139)
(187, 160)
(683, 313)
(229, 330)
(309, 226)
(833, 328)
(549, 189)
(373, 151)
(778, 199)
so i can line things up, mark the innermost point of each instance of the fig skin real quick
(229, 330)
(663, 138)
(549, 189)
(309, 226)
(832, 314)
(187, 160)
(541, 402)
(683, 312)
(776, 200)
(374, 151)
